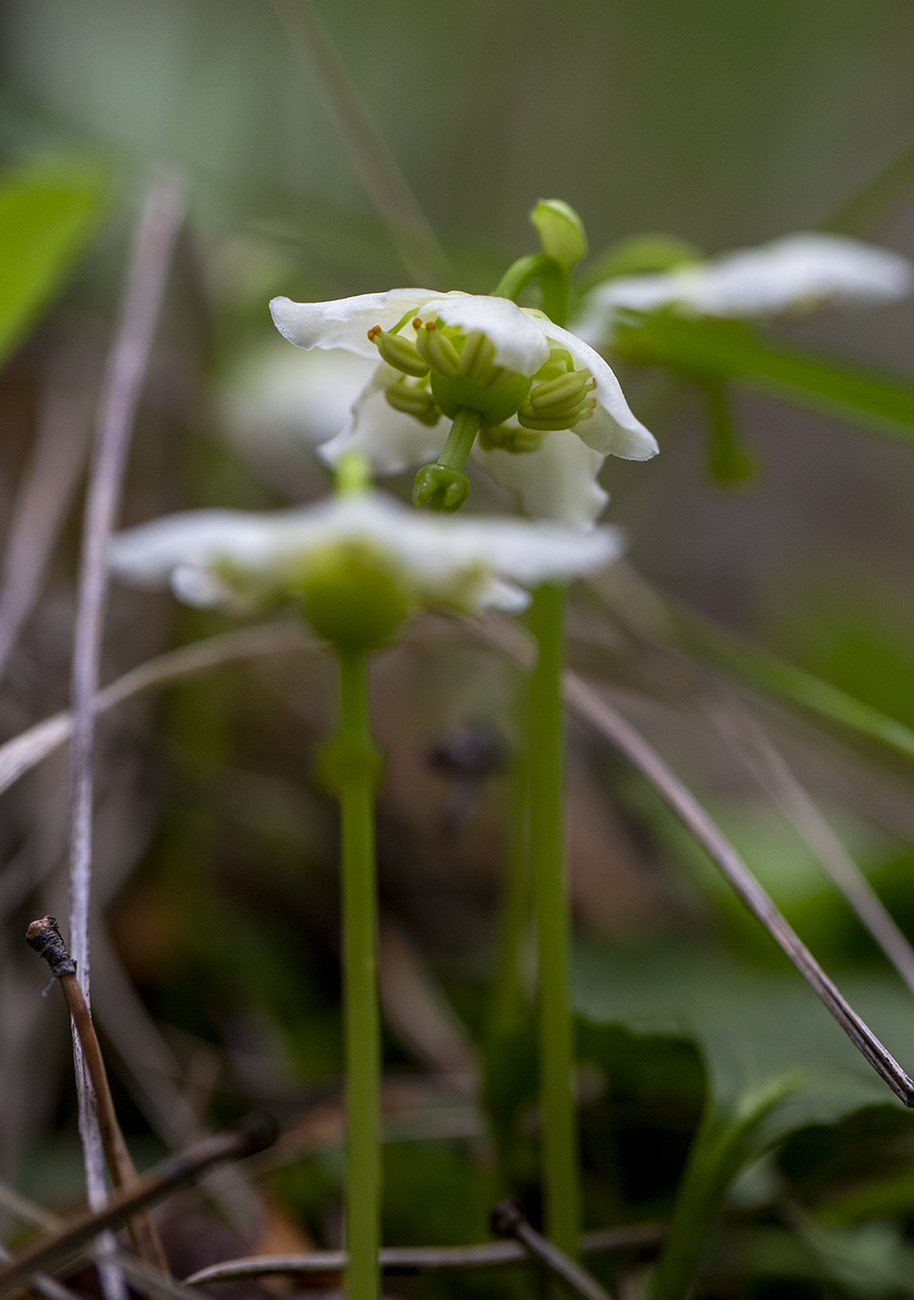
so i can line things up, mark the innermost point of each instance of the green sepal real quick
(561, 232)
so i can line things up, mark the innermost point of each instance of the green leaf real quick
(47, 213)
(728, 1139)
(753, 664)
(776, 1063)
(726, 349)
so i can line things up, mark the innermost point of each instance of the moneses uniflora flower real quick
(796, 274)
(357, 564)
(547, 408)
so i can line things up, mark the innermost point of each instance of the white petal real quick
(794, 273)
(516, 334)
(390, 440)
(280, 395)
(528, 551)
(556, 482)
(613, 429)
(798, 269)
(344, 322)
(148, 555)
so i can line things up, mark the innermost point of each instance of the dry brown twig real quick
(45, 938)
(47, 1252)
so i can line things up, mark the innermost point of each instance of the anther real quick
(374, 332)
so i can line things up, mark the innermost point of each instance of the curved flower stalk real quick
(789, 276)
(357, 566)
(506, 373)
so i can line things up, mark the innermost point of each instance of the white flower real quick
(236, 559)
(794, 274)
(276, 395)
(489, 354)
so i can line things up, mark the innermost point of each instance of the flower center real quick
(446, 370)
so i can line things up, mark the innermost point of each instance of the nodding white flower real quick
(527, 378)
(795, 274)
(358, 563)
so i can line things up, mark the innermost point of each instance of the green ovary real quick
(352, 595)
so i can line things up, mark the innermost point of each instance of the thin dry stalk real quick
(774, 774)
(507, 1221)
(43, 499)
(45, 938)
(176, 1172)
(156, 233)
(419, 1259)
(23, 752)
(375, 165)
(619, 731)
(597, 713)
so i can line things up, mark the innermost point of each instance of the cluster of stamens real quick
(444, 369)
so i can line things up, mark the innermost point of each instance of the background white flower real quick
(790, 275)
(523, 340)
(229, 557)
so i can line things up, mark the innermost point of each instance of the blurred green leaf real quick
(754, 1025)
(753, 664)
(47, 213)
(726, 349)
(731, 461)
(729, 1138)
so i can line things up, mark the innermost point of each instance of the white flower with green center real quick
(358, 564)
(793, 275)
(504, 372)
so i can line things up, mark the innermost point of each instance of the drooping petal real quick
(613, 429)
(345, 322)
(516, 336)
(390, 440)
(558, 481)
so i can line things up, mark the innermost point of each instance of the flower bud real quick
(413, 400)
(398, 352)
(561, 232)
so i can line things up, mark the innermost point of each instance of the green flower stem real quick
(360, 993)
(461, 438)
(553, 278)
(550, 893)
